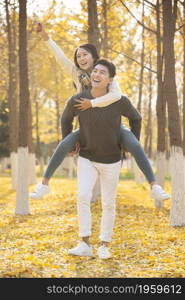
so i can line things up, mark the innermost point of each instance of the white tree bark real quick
(4, 164)
(32, 168)
(13, 162)
(161, 168)
(177, 210)
(22, 203)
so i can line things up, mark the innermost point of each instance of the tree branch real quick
(139, 22)
(150, 3)
(153, 5)
(134, 60)
(177, 29)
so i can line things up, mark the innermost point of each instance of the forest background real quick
(146, 41)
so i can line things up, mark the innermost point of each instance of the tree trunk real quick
(142, 64)
(184, 80)
(12, 95)
(93, 30)
(105, 30)
(22, 204)
(177, 211)
(57, 106)
(38, 146)
(148, 128)
(31, 151)
(160, 106)
(184, 85)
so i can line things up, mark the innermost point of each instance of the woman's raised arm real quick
(60, 56)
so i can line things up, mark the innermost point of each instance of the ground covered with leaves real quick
(144, 244)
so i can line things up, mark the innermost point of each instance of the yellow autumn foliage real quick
(144, 244)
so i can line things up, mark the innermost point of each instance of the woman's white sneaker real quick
(81, 250)
(158, 193)
(40, 191)
(103, 252)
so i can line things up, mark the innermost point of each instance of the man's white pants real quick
(87, 173)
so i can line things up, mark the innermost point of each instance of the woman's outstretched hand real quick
(40, 29)
(83, 104)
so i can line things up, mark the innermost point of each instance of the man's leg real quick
(109, 177)
(86, 175)
(96, 191)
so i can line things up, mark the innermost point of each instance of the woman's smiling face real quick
(100, 77)
(84, 59)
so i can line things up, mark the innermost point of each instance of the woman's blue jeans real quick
(128, 140)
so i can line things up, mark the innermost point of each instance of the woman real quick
(84, 58)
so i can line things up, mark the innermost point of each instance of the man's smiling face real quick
(100, 77)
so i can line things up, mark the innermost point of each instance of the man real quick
(100, 154)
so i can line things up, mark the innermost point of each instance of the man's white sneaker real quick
(81, 250)
(158, 193)
(103, 252)
(40, 191)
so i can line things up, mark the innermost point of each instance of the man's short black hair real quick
(107, 63)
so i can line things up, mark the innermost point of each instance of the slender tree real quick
(57, 100)
(12, 92)
(31, 150)
(93, 30)
(22, 204)
(148, 128)
(184, 81)
(161, 103)
(142, 61)
(105, 29)
(38, 149)
(177, 211)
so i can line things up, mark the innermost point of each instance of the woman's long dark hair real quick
(91, 49)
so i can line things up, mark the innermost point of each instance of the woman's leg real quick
(132, 145)
(67, 145)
